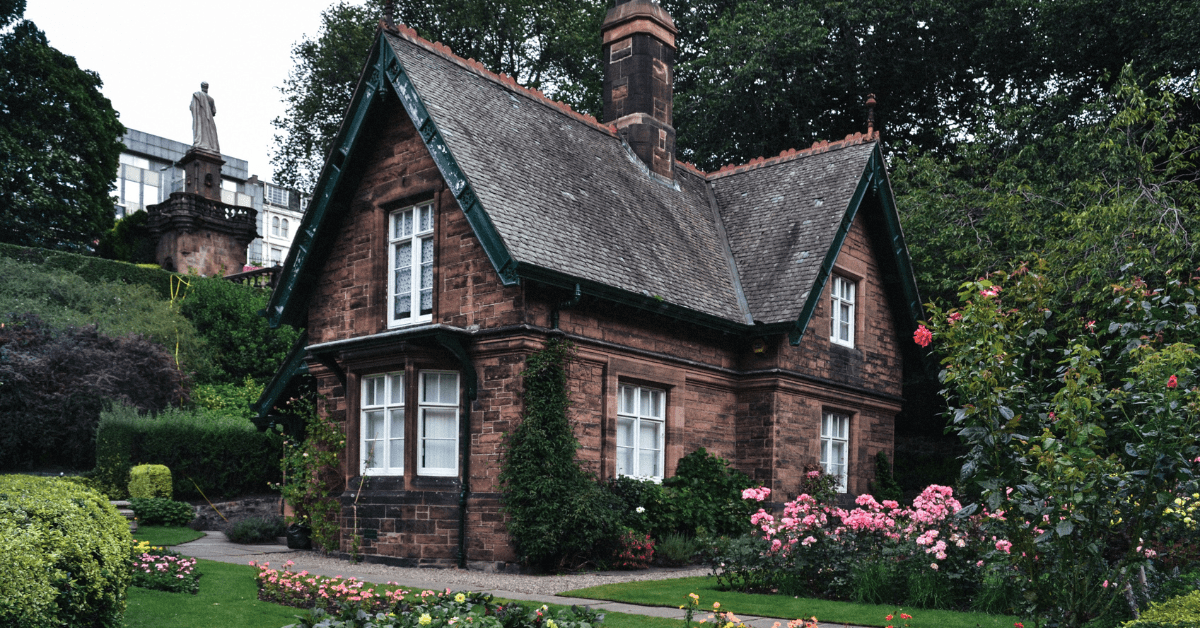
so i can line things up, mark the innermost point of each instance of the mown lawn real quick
(161, 536)
(674, 593)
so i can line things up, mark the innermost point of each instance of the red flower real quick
(922, 336)
(1172, 382)
(1018, 625)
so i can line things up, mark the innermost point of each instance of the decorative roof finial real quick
(870, 116)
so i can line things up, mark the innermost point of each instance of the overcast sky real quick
(153, 55)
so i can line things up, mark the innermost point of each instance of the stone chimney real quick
(639, 67)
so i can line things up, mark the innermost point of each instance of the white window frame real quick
(835, 429)
(382, 392)
(636, 415)
(275, 226)
(283, 228)
(425, 404)
(842, 291)
(417, 237)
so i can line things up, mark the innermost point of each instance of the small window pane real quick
(372, 452)
(439, 423)
(397, 417)
(396, 451)
(648, 463)
(628, 400)
(624, 460)
(624, 432)
(648, 438)
(369, 392)
(439, 454)
(375, 425)
(397, 389)
(426, 218)
(449, 388)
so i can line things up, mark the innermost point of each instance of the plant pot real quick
(298, 536)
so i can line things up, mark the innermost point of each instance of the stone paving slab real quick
(215, 546)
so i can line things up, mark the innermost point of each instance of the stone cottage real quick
(461, 220)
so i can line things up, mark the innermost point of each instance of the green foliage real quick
(706, 493)
(150, 480)
(558, 515)
(256, 530)
(311, 470)
(1177, 612)
(53, 387)
(884, 486)
(644, 505)
(230, 399)
(207, 451)
(66, 555)
(677, 549)
(1089, 425)
(58, 146)
(129, 240)
(225, 314)
(161, 511)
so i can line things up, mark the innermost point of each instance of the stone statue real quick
(204, 128)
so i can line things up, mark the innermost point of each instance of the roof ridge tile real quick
(410, 34)
(822, 146)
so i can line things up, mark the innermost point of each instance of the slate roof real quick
(781, 220)
(563, 193)
(568, 196)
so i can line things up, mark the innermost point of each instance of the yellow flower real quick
(550, 624)
(425, 619)
(460, 598)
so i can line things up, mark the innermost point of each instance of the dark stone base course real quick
(234, 510)
(484, 566)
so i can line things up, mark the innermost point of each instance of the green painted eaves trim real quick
(383, 68)
(874, 178)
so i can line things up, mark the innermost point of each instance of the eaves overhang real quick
(874, 180)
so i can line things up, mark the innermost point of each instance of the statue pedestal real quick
(203, 173)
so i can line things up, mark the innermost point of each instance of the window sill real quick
(433, 481)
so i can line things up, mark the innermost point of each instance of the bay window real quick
(437, 421)
(382, 428)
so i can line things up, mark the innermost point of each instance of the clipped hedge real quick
(225, 456)
(66, 555)
(93, 269)
(150, 480)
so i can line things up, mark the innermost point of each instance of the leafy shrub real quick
(558, 515)
(706, 492)
(644, 505)
(150, 480)
(55, 384)
(677, 549)
(158, 511)
(230, 399)
(225, 314)
(1177, 612)
(129, 240)
(161, 569)
(256, 530)
(66, 555)
(221, 456)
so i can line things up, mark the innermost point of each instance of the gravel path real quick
(476, 580)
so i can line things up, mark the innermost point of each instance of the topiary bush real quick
(207, 451)
(256, 530)
(66, 555)
(150, 480)
(158, 511)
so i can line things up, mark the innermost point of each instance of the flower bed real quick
(164, 570)
(339, 602)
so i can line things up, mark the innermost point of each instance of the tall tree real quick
(59, 143)
(551, 45)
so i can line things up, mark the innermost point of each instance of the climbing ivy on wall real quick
(559, 516)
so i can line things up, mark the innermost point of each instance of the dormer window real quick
(842, 319)
(410, 265)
